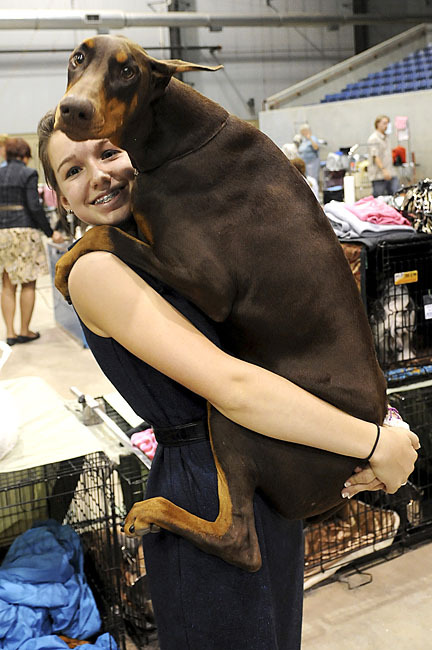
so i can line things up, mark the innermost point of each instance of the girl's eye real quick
(72, 171)
(109, 153)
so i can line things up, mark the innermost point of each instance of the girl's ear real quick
(65, 203)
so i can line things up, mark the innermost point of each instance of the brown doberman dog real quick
(225, 219)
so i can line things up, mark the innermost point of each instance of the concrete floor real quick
(393, 612)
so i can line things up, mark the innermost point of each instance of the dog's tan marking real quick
(205, 534)
(90, 43)
(225, 504)
(115, 111)
(144, 226)
(93, 240)
(121, 57)
(133, 103)
(87, 86)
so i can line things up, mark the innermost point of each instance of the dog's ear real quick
(173, 66)
(162, 71)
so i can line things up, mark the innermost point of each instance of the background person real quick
(166, 368)
(309, 151)
(381, 172)
(22, 254)
(290, 149)
(3, 138)
(300, 164)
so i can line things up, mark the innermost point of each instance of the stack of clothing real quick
(365, 218)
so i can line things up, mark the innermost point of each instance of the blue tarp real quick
(43, 592)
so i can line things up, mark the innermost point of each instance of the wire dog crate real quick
(137, 610)
(78, 492)
(130, 478)
(414, 403)
(399, 302)
(357, 531)
(368, 526)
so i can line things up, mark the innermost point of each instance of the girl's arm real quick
(117, 303)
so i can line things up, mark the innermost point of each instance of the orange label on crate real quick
(406, 277)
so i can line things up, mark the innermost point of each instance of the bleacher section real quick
(414, 72)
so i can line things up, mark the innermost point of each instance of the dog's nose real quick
(75, 110)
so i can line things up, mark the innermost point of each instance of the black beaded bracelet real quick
(375, 443)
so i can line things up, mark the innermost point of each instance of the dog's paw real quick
(136, 524)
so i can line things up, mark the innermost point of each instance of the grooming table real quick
(50, 431)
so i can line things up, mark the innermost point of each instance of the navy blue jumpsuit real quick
(200, 601)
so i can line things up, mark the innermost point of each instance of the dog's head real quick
(110, 80)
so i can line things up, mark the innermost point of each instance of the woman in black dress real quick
(162, 354)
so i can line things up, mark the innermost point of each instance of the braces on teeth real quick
(106, 198)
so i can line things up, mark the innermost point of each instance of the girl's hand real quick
(57, 237)
(391, 464)
(362, 479)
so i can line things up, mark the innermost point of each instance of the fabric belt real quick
(183, 434)
(11, 208)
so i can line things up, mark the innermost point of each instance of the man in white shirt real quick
(380, 167)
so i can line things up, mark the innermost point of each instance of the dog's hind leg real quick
(232, 536)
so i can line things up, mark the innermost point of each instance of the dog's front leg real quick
(208, 285)
(100, 238)
(228, 537)
(232, 535)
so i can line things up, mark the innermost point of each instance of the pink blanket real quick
(376, 211)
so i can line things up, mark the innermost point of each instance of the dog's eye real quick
(77, 59)
(127, 72)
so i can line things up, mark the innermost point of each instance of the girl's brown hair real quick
(45, 130)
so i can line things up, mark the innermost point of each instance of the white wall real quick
(31, 84)
(257, 61)
(261, 61)
(346, 123)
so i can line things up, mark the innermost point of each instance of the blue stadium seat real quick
(413, 72)
(393, 88)
(385, 89)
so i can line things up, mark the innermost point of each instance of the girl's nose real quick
(99, 177)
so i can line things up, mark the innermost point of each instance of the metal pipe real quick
(78, 19)
(57, 50)
(87, 401)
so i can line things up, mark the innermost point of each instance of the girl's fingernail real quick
(346, 495)
(347, 484)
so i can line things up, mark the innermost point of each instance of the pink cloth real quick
(146, 441)
(376, 211)
(49, 197)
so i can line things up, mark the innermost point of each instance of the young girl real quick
(161, 353)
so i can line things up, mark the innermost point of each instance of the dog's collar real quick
(145, 170)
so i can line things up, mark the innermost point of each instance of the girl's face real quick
(94, 178)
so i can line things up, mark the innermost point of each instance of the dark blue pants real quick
(200, 601)
(385, 188)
